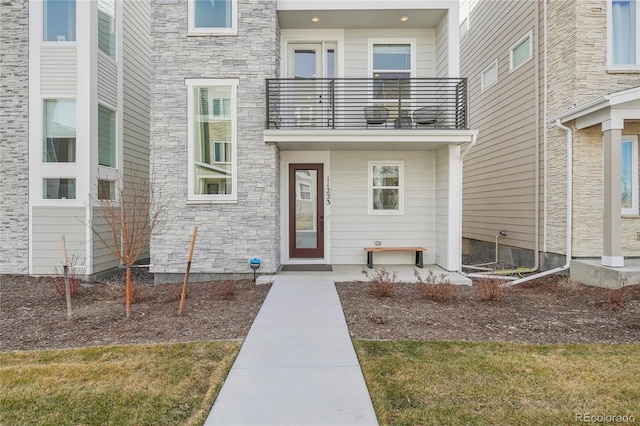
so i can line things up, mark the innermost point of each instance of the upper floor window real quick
(489, 76)
(629, 174)
(521, 52)
(59, 145)
(623, 35)
(59, 20)
(212, 17)
(212, 139)
(391, 68)
(107, 27)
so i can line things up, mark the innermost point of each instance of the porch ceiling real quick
(354, 19)
(366, 140)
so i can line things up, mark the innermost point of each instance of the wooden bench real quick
(419, 251)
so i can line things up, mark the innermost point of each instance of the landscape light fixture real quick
(254, 264)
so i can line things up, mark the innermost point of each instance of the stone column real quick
(612, 209)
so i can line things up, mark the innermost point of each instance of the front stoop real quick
(591, 272)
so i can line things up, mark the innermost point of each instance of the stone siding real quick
(228, 234)
(14, 138)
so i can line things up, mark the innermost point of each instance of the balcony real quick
(367, 103)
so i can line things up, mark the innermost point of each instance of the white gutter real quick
(474, 139)
(569, 211)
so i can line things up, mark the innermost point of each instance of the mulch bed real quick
(551, 310)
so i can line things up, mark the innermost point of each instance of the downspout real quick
(474, 139)
(569, 211)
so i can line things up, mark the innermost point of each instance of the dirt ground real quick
(552, 310)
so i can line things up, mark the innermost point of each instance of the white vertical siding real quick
(352, 228)
(58, 69)
(49, 224)
(107, 80)
(356, 48)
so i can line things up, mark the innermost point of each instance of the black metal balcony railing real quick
(372, 103)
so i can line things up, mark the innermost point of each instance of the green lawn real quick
(448, 383)
(118, 385)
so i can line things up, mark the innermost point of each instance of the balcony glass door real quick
(311, 95)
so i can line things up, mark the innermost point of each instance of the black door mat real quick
(307, 268)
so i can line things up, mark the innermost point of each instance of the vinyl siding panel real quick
(107, 80)
(58, 69)
(352, 228)
(499, 173)
(442, 202)
(102, 258)
(442, 57)
(357, 49)
(48, 225)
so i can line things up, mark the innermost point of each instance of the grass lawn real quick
(117, 385)
(449, 383)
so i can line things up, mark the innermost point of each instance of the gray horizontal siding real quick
(58, 69)
(107, 80)
(102, 257)
(48, 225)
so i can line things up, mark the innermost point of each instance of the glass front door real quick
(306, 211)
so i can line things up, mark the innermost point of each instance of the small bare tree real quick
(137, 212)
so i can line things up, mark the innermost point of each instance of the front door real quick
(306, 211)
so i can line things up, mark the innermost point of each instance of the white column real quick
(612, 208)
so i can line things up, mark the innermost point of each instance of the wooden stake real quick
(65, 268)
(186, 274)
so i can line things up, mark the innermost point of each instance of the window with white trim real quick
(623, 36)
(59, 20)
(107, 27)
(213, 17)
(391, 68)
(59, 132)
(489, 76)
(521, 52)
(630, 189)
(106, 137)
(212, 134)
(386, 187)
(59, 188)
(106, 189)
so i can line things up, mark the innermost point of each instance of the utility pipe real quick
(474, 139)
(569, 211)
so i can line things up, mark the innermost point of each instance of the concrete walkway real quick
(297, 365)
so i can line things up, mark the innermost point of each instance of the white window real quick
(59, 132)
(629, 175)
(623, 45)
(392, 65)
(106, 189)
(106, 137)
(213, 17)
(212, 133)
(386, 187)
(107, 27)
(59, 20)
(489, 76)
(59, 188)
(521, 52)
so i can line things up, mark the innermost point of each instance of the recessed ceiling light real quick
(404, 18)
(315, 19)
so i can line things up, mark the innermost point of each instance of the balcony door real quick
(311, 96)
(306, 211)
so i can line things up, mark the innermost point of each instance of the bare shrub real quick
(138, 293)
(74, 279)
(616, 299)
(224, 290)
(491, 290)
(436, 288)
(382, 283)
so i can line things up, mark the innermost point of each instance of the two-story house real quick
(304, 131)
(555, 94)
(75, 122)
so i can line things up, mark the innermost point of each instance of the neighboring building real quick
(305, 131)
(554, 87)
(75, 118)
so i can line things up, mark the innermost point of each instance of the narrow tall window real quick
(59, 145)
(212, 17)
(212, 139)
(489, 76)
(107, 27)
(106, 137)
(521, 52)
(59, 20)
(629, 175)
(392, 64)
(623, 33)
